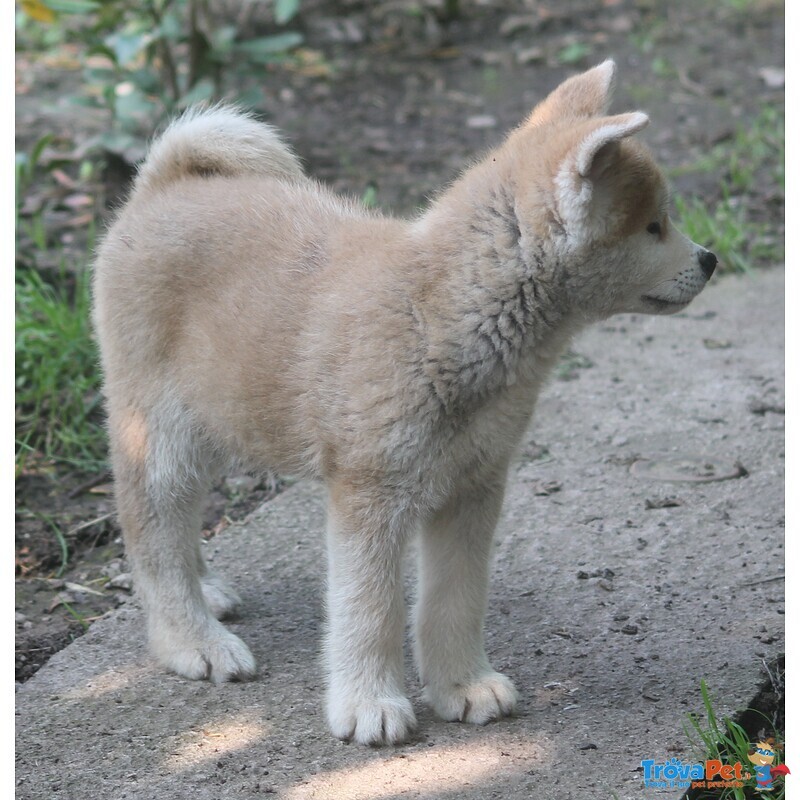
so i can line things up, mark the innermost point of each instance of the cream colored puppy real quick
(245, 312)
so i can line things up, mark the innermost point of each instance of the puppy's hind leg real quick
(221, 598)
(160, 478)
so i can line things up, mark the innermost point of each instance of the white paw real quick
(221, 599)
(376, 720)
(488, 697)
(218, 656)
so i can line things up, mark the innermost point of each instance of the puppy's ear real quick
(596, 150)
(593, 156)
(579, 97)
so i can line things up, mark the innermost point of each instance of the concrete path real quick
(615, 591)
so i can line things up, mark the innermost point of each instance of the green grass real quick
(757, 147)
(749, 5)
(723, 229)
(727, 741)
(56, 373)
(747, 165)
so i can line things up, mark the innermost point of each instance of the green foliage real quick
(141, 62)
(145, 61)
(370, 197)
(727, 741)
(57, 381)
(26, 168)
(723, 229)
(663, 67)
(757, 147)
(285, 10)
(59, 537)
(574, 53)
(748, 165)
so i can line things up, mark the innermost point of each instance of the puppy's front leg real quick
(364, 645)
(455, 550)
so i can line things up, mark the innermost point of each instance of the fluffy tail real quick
(216, 141)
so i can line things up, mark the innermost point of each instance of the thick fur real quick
(245, 312)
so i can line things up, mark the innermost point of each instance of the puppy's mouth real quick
(665, 306)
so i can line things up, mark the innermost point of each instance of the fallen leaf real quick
(78, 201)
(61, 598)
(62, 178)
(37, 10)
(77, 587)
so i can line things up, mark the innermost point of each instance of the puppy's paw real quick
(376, 720)
(221, 599)
(488, 697)
(219, 656)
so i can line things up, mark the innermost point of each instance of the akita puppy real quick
(246, 312)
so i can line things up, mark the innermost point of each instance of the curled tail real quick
(216, 141)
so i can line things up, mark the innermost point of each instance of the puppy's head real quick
(607, 204)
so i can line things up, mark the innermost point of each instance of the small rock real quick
(113, 568)
(242, 484)
(122, 581)
(763, 406)
(20, 618)
(630, 630)
(515, 23)
(544, 488)
(530, 55)
(621, 24)
(492, 59)
(481, 121)
(662, 502)
(535, 451)
(773, 77)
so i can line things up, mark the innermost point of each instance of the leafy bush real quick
(57, 380)
(144, 61)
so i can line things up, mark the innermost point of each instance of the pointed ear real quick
(582, 96)
(594, 153)
(598, 146)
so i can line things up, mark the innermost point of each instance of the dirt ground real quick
(640, 553)
(390, 101)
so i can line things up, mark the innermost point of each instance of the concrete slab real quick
(615, 592)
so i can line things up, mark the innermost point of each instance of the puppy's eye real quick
(654, 228)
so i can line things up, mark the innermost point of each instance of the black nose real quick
(708, 263)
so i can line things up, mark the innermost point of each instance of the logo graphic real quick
(761, 757)
(714, 774)
(711, 774)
